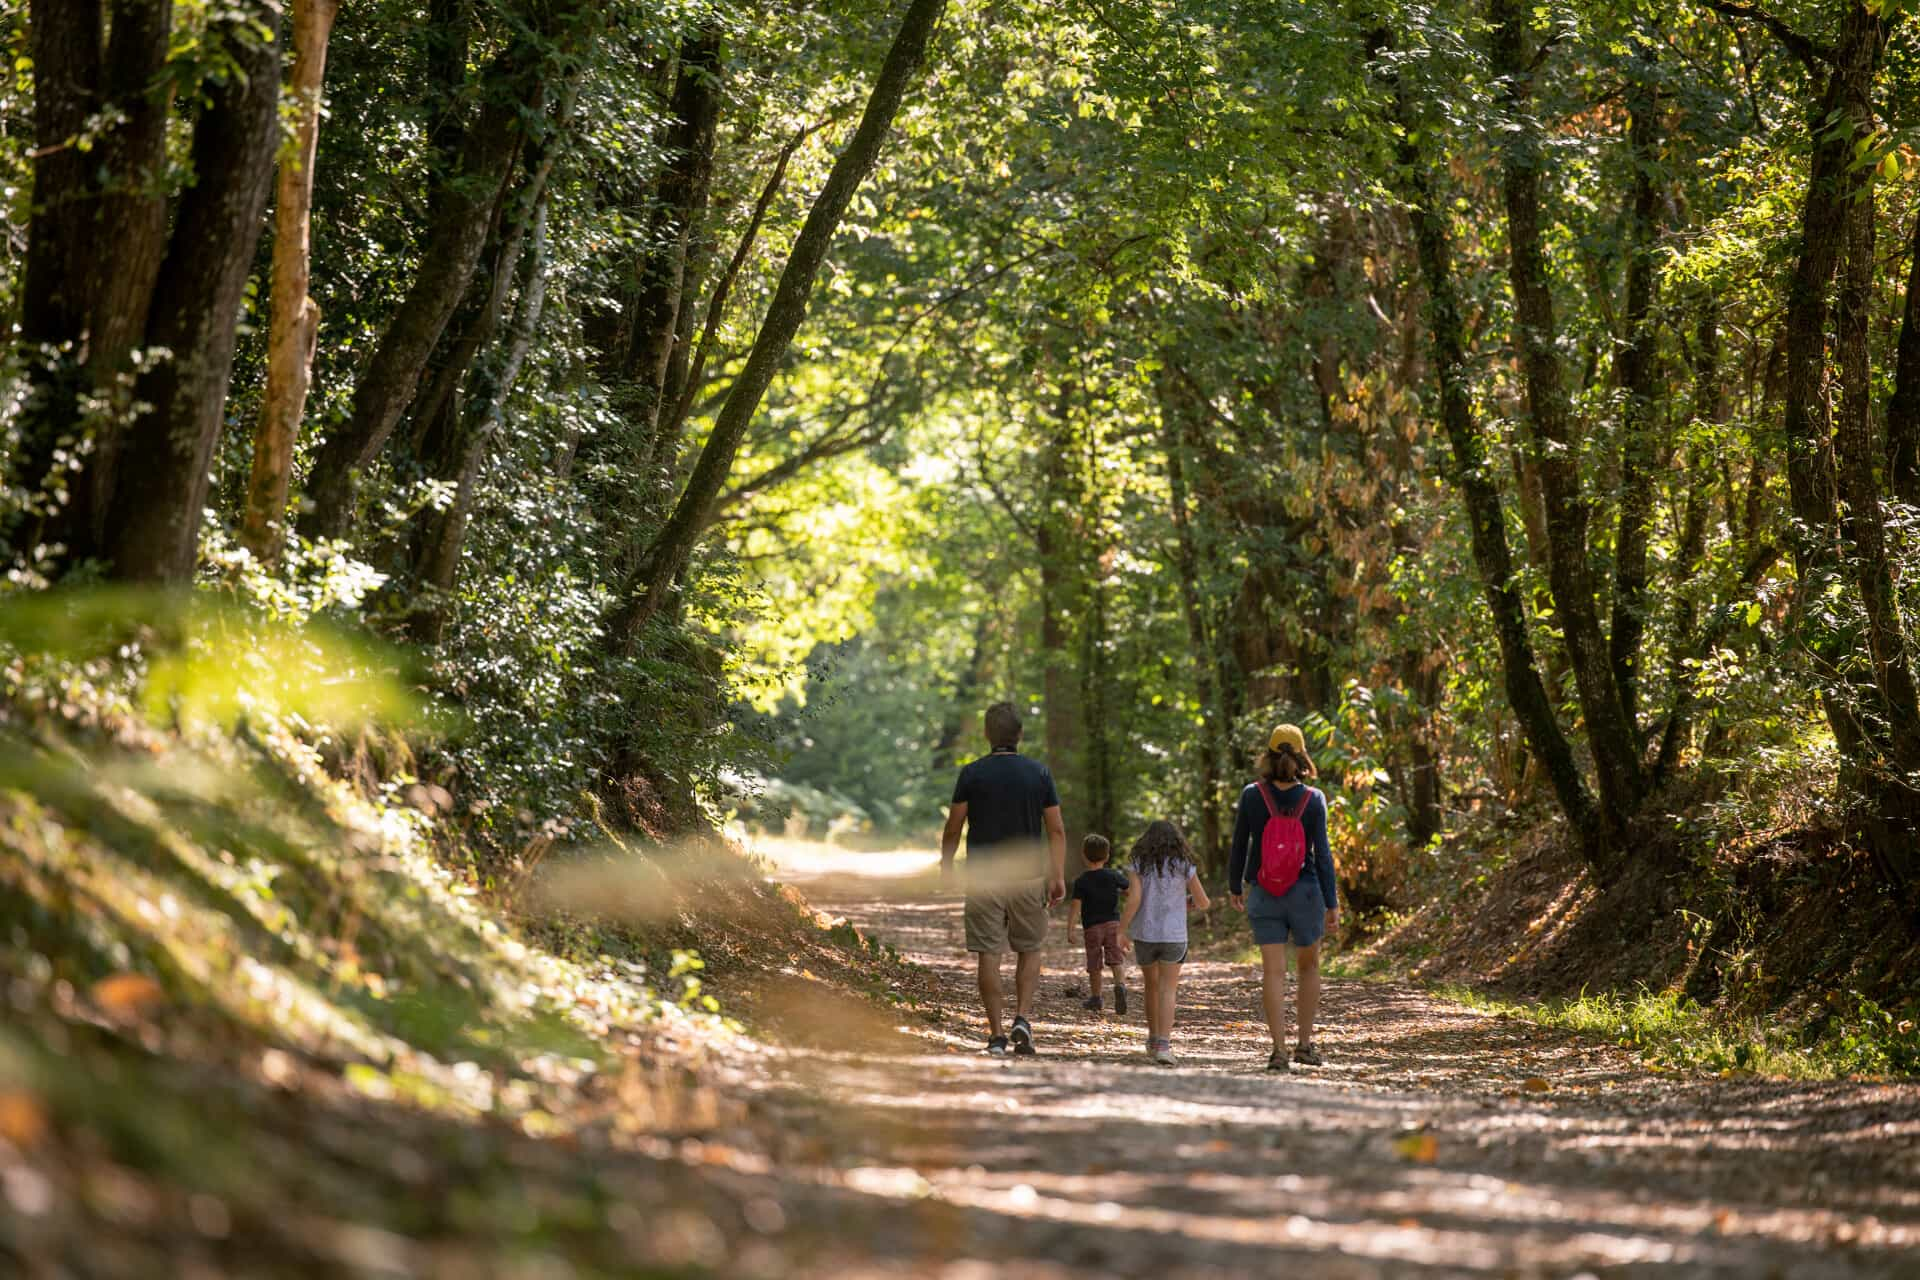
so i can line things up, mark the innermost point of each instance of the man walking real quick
(1016, 869)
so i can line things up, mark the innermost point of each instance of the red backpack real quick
(1283, 843)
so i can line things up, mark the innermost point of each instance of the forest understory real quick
(398, 1075)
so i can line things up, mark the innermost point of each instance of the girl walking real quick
(1165, 883)
(1282, 876)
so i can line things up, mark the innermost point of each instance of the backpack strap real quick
(1273, 810)
(1300, 810)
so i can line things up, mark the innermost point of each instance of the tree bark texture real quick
(293, 329)
(153, 517)
(1615, 752)
(646, 589)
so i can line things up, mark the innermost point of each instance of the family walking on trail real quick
(1280, 874)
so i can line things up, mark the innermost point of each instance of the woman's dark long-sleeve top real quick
(1251, 820)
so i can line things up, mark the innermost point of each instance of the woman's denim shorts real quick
(1297, 916)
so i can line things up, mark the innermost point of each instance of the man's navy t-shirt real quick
(1005, 794)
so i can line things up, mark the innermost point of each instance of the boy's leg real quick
(1273, 990)
(990, 994)
(1308, 1004)
(1093, 967)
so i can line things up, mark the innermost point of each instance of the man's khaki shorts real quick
(1007, 917)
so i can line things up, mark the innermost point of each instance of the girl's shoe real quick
(1277, 1061)
(1164, 1054)
(1306, 1055)
(1153, 1049)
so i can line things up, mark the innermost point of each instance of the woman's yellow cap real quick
(1290, 735)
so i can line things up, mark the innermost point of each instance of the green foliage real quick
(1671, 1032)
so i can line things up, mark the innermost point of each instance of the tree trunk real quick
(1473, 473)
(1709, 405)
(1639, 406)
(962, 706)
(153, 516)
(646, 589)
(294, 327)
(1903, 410)
(1212, 736)
(95, 236)
(1615, 754)
(1895, 711)
(1834, 182)
(466, 194)
(679, 204)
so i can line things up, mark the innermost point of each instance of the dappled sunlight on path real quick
(1436, 1141)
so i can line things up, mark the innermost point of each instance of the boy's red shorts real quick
(1103, 945)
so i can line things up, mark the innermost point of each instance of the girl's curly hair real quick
(1158, 847)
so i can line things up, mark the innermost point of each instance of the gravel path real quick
(1420, 1149)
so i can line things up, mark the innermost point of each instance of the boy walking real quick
(1096, 901)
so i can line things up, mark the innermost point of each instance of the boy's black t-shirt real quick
(1099, 891)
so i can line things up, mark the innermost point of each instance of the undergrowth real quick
(1673, 1032)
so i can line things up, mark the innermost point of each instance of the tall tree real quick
(1638, 378)
(294, 326)
(470, 182)
(1556, 448)
(1473, 473)
(96, 234)
(158, 496)
(645, 589)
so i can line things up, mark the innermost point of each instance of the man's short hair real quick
(1003, 725)
(1096, 849)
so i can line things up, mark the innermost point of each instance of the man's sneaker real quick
(1306, 1055)
(1277, 1061)
(1022, 1038)
(1119, 998)
(997, 1047)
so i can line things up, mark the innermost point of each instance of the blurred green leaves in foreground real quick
(194, 658)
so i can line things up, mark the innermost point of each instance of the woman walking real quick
(1282, 876)
(1165, 884)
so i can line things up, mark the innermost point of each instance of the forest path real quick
(1088, 1160)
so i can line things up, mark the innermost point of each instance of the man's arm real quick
(950, 836)
(1057, 851)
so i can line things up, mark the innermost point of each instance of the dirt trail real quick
(1089, 1160)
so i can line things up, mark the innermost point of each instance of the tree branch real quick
(1810, 53)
